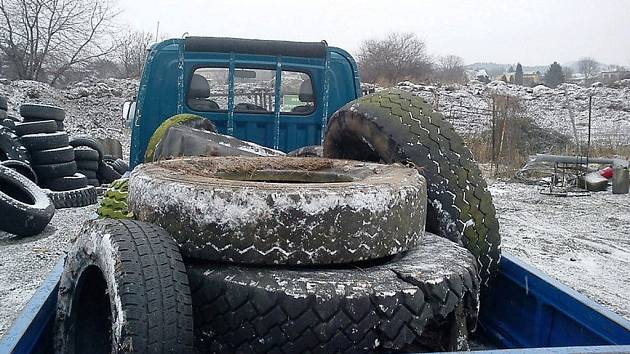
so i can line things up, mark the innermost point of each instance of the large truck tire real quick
(24, 207)
(123, 289)
(282, 210)
(378, 308)
(11, 148)
(395, 126)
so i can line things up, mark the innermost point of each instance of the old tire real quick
(119, 166)
(123, 289)
(44, 141)
(395, 126)
(106, 173)
(94, 182)
(88, 173)
(11, 148)
(380, 308)
(86, 155)
(67, 183)
(25, 208)
(114, 203)
(45, 126)
(87, 165)
(217, 208)
(307, 151)
(192, 120)
(87, 142)
(55, 170)
(51, 156)
(4, 104)
(22, 168)
(42, 112)
(75, 198)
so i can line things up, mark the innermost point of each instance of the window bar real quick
(230, 121)
(325, 97)
(276, 120)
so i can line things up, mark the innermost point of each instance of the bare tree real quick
(400, 56)
(42, 39)
(132, 52)
(450, 68)
(588, 67)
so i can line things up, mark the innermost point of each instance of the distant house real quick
(612, 76)
(529, 78)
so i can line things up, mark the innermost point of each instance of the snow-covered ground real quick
(549, 108)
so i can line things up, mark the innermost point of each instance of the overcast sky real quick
(502, 31)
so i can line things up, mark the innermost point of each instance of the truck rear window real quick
(254, 91)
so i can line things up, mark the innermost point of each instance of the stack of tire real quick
(51, 156)
(290, 254)
(94, 164)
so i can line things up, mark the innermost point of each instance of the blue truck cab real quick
(280, 95)
(274, 93)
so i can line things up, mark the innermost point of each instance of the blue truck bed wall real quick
(525, 309)
(170, 66)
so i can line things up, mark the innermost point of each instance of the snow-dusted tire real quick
(75, 198)
(123, 289)
(25, 209)
(67, 183)
(87, 142)
(359, 309)
(44, 141)
(227, 209)
(55, 170)
(6, 122)
(396, 126)
(57, 155)
(11, 148)
(42, 112)
(44, 126)
(307, 151)
(22, 168)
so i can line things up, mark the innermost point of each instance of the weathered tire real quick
(73, 198)
(42, 112)
(60, 126)
(87, 165)
(106, 173)
(114, 202)
(44, 141)
(120, 166)
(55, 170)
(383, 307)
(4, 104)
(192, 120)
(235, 219)
(25, 208)
(68, 183)
(307, 151)
(44, 126)
(123, 289)
(22, 168)
(57, 155)
(88, 173)
(11, 148)
(94, 182)
(6, 122)
(87, 142)
(395, 126)
(86, 155)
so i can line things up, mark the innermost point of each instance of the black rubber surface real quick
(292, 221)
(94, 182)
(396, 126)
(355, 310)
(57, 155)
(88, 142)
(11, 148)
(44, 126)
(38, 142)
(42, 112)
(86, 154)
(55, 170)
(22, 168)
(135, 271)
(106, 173)
(25, 209)
(4, 104)
(6, 122)
(76, 181)
(88, 173)
(87, 165)
(73, 198)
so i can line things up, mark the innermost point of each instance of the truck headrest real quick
(199, 87)
(306, 92)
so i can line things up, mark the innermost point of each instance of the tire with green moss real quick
(191, 119)
(395, 126)
(114, 203)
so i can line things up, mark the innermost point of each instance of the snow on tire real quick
(123, 289)
(395, 126)
(360, 309)
(281, 210)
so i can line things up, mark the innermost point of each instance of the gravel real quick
(27, 261)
